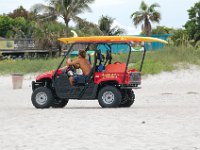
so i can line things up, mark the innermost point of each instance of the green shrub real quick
(155, 62)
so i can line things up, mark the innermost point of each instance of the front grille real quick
(135, 78)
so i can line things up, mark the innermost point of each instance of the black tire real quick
(109, 97)
(59, 103)
(42, 98)
(128, 98)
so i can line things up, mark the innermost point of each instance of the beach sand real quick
(165, 116)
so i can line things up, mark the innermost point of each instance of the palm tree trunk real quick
(150, 46)
(67, 26)
(148, 31)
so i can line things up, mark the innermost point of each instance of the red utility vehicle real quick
(111, 83)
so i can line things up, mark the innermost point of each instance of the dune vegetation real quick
(166, 59)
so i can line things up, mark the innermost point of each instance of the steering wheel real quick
(70, 70)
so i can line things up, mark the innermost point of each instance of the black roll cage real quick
(108, 46)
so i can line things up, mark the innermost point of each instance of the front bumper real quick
(35, 85)
(135, 78)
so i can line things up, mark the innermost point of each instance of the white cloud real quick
(100, 3)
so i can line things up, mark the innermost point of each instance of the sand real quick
(165, 116)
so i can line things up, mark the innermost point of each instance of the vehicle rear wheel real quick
(128, 98)
(109, 97)
(42, 97)
(59, 103)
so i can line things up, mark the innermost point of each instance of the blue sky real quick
(174, 12)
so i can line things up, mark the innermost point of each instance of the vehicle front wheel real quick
(42, 97)
(109, 97)
(128, 98)
(59, 103)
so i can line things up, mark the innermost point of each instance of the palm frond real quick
(117, 31)
(106, 26)
(155, 17)
(138, 20)
(40, 8)
(151, 9)
(143, 6)
(138, 17)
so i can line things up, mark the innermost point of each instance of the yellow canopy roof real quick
(102, 39)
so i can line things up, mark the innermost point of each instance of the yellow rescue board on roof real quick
(110, 39)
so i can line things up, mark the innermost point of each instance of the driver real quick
(82, 63)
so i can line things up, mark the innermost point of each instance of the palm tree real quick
(105, 25)
(66, 9)
(146, 15)
(86, 28)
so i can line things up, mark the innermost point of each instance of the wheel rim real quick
(108, 97)
(41, 98)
